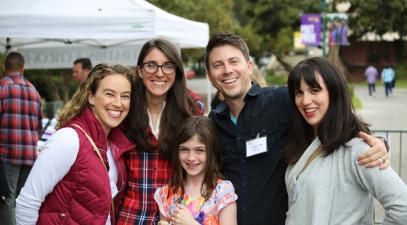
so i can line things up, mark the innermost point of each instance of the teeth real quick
(114, 113)
(310, 110)
(228, 81)
(192, 165)
(159, 83)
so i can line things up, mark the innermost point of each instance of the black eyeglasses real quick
(167, 68)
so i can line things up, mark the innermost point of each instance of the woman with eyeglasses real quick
(160, 102)
(81, 167)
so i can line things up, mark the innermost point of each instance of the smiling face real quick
(111, 102)
(229, 71)
(157, 84)
(312, 102)
(193, 157)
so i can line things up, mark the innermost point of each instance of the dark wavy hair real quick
(14, 61)
(179, 105)
(340, 123)
(206, 132)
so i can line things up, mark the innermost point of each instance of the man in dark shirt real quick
(253, 124)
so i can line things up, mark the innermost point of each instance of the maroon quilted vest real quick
(83, 196)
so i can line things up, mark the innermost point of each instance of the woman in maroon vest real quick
(80, 168)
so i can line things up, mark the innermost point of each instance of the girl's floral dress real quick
(205, 212)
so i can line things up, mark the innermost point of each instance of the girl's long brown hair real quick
(205, 130)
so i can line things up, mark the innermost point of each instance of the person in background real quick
(387, 78)
(343, 32)
(197, 193)
(20, 123)
(48, 129)
(324, 181)
(81, 167)
(253, 125)
(371, 75)
(160, 102)
(81, 69)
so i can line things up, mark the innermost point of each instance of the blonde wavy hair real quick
(79, 100)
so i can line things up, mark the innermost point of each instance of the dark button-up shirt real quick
(259, 179)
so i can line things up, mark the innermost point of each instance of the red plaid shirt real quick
(199, 104)
(20, 120)
(146, 172)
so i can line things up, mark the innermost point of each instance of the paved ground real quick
(382, 112)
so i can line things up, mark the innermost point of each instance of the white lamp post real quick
(342, 7)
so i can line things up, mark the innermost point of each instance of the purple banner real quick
(311, 29)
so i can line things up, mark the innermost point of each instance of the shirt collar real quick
(253, 91)
(155, 130)
(14, 74)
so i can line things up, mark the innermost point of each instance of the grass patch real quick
(356, 102)
(279, 80)
(401, 84)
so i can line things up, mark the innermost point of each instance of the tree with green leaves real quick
(378, 16)
(218, 14)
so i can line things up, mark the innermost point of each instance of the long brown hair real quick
(340, 123)
(178, 103)
(80, 99)
(205, 130)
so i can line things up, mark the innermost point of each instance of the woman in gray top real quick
(325, 184)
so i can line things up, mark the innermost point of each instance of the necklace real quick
(195, 207)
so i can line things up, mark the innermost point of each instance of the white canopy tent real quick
(53, 33)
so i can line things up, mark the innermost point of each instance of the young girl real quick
(196, 193)
(325, 184)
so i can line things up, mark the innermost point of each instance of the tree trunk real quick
(334, 58)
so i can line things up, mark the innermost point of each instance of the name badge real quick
(256, 146)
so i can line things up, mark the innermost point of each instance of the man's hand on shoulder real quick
(376, 155)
